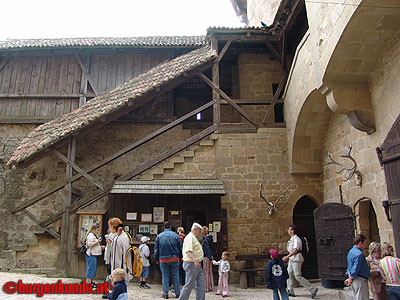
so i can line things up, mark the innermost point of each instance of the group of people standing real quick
(380, 268)
(117, 242)
(194, 253)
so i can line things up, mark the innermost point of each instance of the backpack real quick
(304, 246)
(137, 266)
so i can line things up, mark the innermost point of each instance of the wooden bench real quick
(247, 271)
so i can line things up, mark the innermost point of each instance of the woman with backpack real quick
(119, 246)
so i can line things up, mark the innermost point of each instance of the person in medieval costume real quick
(120, 245)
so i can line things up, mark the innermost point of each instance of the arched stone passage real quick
(367, 222)
(303, 218)
(309, 135)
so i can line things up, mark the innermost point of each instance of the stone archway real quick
(309, 135)
(367, 221)
(303, 218)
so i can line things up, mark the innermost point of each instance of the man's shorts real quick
(145, 272)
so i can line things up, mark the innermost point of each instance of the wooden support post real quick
(275, 99)
(283, 55)
(87, 200)
(227, 98)
(65, 227)
(78, 169)
(86, 71)
(50, 230)
(84, 81)
(215, 80)
(222, 53)
(112, 157)
(274, 51)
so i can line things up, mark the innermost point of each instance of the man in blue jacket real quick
(358, 270)
(167, 251)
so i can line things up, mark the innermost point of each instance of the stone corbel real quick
(352, 99)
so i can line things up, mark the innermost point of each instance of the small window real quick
(198, 116)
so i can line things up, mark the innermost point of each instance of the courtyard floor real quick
(154, 293)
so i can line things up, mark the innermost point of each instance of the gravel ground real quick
(154, 293)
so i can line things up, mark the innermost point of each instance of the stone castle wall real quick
(242, 162)
(262, 10)
(257, 73)
(17, 232)
(385, 100)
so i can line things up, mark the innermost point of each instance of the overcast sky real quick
(100, 18)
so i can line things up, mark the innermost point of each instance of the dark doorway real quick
(303, 218)
(193, 216)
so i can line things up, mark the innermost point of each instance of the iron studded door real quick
(389, 155)
(334, 231)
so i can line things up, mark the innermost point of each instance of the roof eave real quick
(113, 116)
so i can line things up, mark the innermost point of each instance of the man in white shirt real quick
(296, 259)
(192, 256)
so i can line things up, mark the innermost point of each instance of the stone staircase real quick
(167, 166)
(9, 258)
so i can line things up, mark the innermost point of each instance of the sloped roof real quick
(170, 187)
(55, 130)
(148, 41)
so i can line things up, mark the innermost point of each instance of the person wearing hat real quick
(144, 252)
(192, 256)
(276, 276)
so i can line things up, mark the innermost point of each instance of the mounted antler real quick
(348, 172)
(271, 206)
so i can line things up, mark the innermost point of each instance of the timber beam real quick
(85, 201)
(227, 98)
(275, 99)
(78, 169)
(126, 109)
(50, 230)
(112, 157)
(88, 76)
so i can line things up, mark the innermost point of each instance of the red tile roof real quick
(53, 131)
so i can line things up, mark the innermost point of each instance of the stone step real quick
(177, 159)
(187, 153)
(157, 171)
(207, 143)
(214, 136)
(32, 270)
(8, 254)
(168, 165)
(146, 176)
(22, 247)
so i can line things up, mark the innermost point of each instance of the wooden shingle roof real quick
(98, 108)
(100, 42)
(170, 187)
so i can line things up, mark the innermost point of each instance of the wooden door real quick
(389, 155)
(334, 230)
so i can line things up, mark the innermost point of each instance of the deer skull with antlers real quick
(348, 172)
(271, 206)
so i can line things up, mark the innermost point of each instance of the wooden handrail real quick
(112, 157)
(85, 201)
